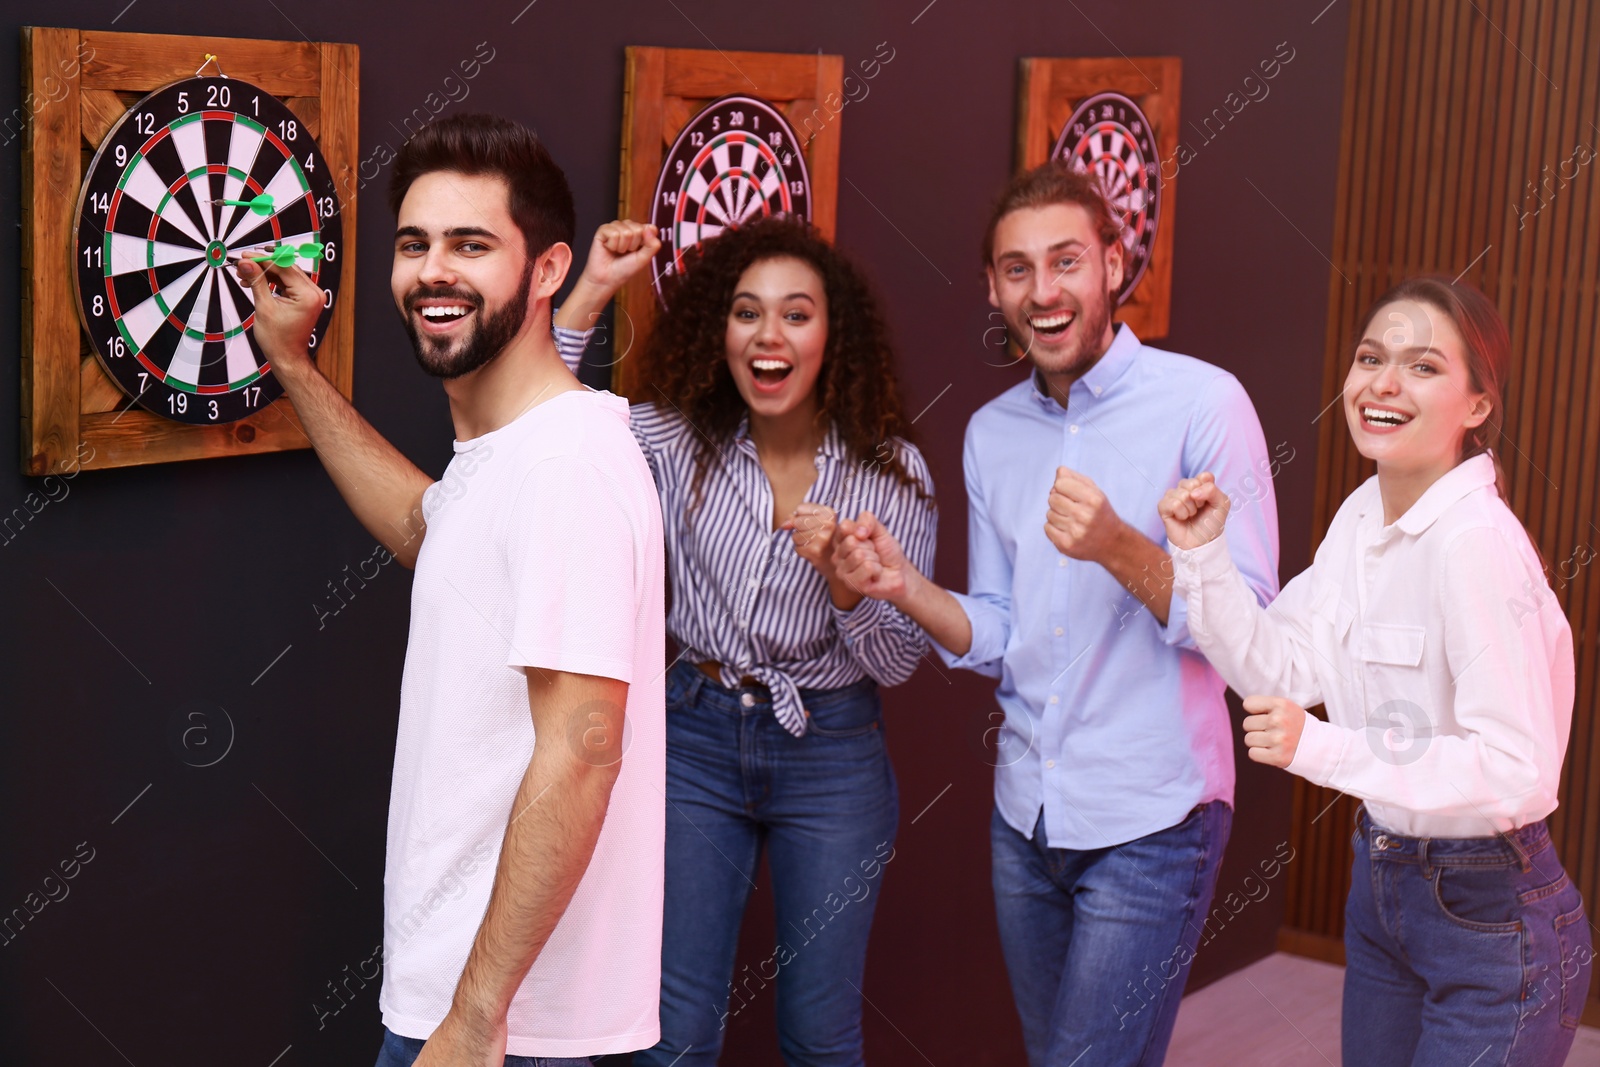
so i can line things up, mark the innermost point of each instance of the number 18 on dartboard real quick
(194, 177)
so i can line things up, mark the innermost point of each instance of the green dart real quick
(261, 205)
(285, 255)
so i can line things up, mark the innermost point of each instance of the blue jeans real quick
(1462, 950)
(825, 807)
(1098, 942)
(400, 1051)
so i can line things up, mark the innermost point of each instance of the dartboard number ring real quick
(737, 159)
(153, 240)
(1109, 136)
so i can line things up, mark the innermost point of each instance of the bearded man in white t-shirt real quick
(522, 895)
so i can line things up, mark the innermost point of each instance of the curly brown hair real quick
(685, 357)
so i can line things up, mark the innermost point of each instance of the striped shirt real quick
(742, 597)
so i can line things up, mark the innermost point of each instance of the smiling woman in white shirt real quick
(1427, 629)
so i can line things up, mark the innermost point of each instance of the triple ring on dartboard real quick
(197, 174)
(1109, 136)
(737, 159)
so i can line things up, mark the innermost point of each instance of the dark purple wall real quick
(219, 906)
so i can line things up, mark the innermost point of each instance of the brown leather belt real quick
(714, 672)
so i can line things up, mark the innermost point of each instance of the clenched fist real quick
(1272, 730)
(814, 528)
(869, 559)
(1195, 512)
(1080, 521)
(620, 250)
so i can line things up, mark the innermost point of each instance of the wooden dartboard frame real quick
(663, 90)
(1050, 90)
(81, 82)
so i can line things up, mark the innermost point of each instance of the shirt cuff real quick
(1316, 757)
(974, 657)
(570, 344)
(1176, 631)
(1192, 566)
(859, 620)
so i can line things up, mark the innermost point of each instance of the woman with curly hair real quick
(770, 413)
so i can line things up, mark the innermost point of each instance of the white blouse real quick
(1435, 643)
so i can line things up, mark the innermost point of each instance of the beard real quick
(1082, 351)
(490, 335)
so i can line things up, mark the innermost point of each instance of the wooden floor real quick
(1283, 1010)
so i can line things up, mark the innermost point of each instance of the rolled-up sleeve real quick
(570, 344)
(882, 639)
(987, 600)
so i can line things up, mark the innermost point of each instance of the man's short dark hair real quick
(1050, 183)
(541, 200)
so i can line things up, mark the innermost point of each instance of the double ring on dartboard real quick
(737, 159)
(197, 174)
(1110, 137)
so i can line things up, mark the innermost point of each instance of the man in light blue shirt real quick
(1114, 765)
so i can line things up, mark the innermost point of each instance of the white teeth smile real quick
(769, 364)
(1384, 417)
(1051, 322)
(444, 312)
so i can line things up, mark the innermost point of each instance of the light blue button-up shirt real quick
(1115, 724)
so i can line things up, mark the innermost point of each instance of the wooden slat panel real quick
(1583, 786)
(1552, 411)
(1446, 121)
(1581, 790)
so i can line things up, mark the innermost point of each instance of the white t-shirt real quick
(543, 549)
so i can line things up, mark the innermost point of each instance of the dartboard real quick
(194, 175)
(738, 158)
(1110, 137)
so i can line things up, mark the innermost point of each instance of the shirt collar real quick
(1107, 371)
(832, 443)
(1465, 477)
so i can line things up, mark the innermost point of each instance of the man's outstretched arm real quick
(554, 824)
(382, 487)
